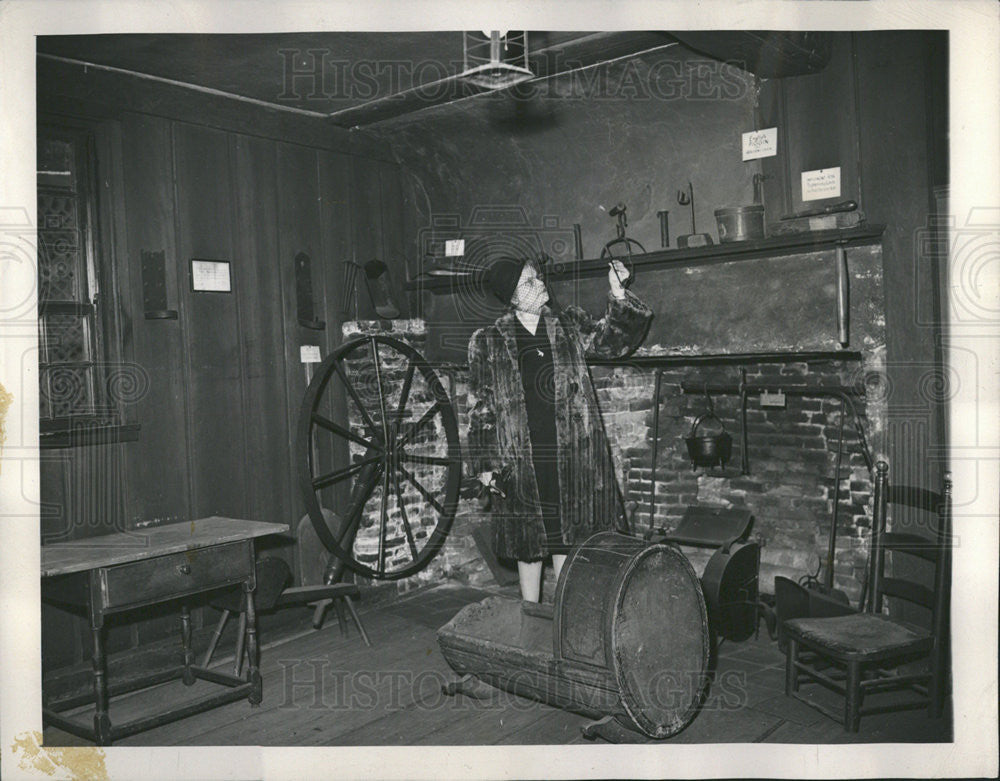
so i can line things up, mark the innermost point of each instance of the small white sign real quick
(454, 248)
(210, 276)
(822, 183)
(760, 143)
(769, 399)
(309, 353)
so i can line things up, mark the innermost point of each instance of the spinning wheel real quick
(399, 491)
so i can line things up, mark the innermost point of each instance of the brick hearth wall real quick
(789, 488)
(791, 454)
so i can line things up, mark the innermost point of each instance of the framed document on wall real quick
(210, 276)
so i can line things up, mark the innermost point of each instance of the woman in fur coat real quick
(534, 418)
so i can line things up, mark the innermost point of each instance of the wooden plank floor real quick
(322, 688)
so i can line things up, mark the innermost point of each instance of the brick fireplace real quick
(788, 482)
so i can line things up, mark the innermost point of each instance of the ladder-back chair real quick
(868, 652)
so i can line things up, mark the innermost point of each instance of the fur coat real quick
(498, 423)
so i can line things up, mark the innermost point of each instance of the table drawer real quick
(175, 575)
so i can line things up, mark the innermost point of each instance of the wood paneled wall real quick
(879, 112)
(232, 182)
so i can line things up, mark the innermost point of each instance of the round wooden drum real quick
(637, 611)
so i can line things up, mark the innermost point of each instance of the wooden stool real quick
(272, 576)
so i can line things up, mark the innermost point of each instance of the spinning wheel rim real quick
(381, 463)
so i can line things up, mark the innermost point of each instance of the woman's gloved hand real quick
(488, 488)
(496, 482)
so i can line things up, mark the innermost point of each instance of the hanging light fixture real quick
(495, 59)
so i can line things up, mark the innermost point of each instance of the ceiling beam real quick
(583, 52)
(767, 54)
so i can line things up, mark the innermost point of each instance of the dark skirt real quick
(547, 476)
(538, 378)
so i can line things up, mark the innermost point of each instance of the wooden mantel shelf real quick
(775, 246)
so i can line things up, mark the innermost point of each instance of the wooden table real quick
(114, 573)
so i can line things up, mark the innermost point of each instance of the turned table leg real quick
(253, 652)
(188, 676)
(102, 721)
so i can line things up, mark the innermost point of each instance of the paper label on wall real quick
(776, 399)
(211, 276)
(821, 183)
(309, 353)
(760, 143)
(454, 248)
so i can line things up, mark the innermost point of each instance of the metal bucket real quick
(740, 223)
(637, 611)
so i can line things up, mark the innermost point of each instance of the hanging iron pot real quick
(708, 444)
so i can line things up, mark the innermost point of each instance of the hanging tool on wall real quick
(663, 215)
(620, 247)
(692, 239)
(377, 282)
(304, 304)
(349, 292)
(843, 297)
(758, 191)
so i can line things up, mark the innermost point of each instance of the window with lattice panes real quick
(69, 321)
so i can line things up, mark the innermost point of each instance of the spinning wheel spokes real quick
(324, 481)
(413, 429)
(383, 523)
(329, 425)
(349, 387)
(373, 406)
(429, 460)
(406, 520)
(423, 491)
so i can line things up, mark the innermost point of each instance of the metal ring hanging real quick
(608, 252)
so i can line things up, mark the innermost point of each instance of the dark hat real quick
(502, 276)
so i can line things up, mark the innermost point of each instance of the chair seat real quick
(861, 636)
